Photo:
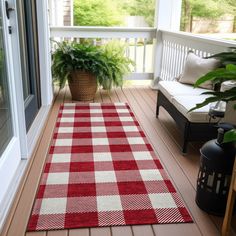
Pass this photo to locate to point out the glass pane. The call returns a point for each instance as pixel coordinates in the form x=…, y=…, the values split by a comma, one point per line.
x=5, y=111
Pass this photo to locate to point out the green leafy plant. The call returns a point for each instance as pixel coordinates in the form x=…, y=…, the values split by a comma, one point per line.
x=119, y=65
x=226, y=73
x=101, y=61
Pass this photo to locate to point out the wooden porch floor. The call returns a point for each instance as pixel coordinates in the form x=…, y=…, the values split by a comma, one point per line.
x=165, y=139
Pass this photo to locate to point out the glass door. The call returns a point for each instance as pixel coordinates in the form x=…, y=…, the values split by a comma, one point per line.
x=10, y=149
x=29, y=58
x=6, y=129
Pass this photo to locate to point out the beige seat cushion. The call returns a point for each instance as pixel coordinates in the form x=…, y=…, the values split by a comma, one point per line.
x=185, y=103
x=174, y=88
x=195, y=67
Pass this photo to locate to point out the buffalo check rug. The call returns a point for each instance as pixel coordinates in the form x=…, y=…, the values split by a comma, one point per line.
x=102, y=171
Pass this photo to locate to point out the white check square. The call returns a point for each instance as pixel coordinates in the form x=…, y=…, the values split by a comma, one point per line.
x=122, y=111
x=125, y=118
x=98, y=129
x=61, y=158
x=100, y=141
x=69, y=104
x=95, y=104
x=97, y=119
x=102, y=156
x=63, y=142
x=67, y=119
x=136, y=140
x=150, y=175
x=53, y=206
x=68, y=111
x=65, y=130
x=95, y=111
x=58, y=178
x=162, y=200
x=105, y=176
x=109, y=203
x=130, y=128
x=142, y=156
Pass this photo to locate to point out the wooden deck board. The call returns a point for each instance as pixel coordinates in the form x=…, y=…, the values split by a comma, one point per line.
x=143, y=230
x=79, y=232
x=121, y=231
x=43, y=233
x=102, y=231
x=58, y=233
x=164, y=137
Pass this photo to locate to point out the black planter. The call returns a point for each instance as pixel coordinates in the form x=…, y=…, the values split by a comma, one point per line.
x=216, y=165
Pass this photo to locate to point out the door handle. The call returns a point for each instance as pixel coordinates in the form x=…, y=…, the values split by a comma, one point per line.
x=8, y=9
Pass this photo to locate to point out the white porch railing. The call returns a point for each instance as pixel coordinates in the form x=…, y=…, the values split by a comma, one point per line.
x=158, y=54
x=140, y=41
x=173, y=47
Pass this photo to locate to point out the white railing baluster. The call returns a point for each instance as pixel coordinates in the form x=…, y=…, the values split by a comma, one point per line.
x=144, y=54
x=135, y=54
x=127, y=53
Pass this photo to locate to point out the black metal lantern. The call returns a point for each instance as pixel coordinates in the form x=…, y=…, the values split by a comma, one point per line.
x=216, y=165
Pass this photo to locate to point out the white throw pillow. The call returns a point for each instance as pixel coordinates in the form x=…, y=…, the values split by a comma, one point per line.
x=195, y=67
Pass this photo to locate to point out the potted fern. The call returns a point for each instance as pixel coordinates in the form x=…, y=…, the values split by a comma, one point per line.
x=227, y=73
x=118, y=63
x=85, y=66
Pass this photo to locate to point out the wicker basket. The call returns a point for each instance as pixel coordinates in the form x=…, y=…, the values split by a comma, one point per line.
x=83, y=85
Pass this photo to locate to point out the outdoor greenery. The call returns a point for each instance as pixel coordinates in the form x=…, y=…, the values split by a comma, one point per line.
x=226, y=73
x=210, y=9
x=105, y=62
x=144, y=8
x=111, y=12
x=97, y=13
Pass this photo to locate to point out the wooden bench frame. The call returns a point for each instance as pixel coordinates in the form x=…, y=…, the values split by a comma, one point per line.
x=191, y=131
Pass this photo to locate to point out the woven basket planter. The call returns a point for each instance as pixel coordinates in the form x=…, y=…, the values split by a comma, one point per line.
x=83, y=86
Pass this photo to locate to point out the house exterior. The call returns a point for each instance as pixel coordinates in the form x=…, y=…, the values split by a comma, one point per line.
x=26, y=87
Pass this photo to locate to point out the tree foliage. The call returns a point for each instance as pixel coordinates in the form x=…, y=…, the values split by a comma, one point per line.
x=97, y=13
x=144, y=8
x=210, y=9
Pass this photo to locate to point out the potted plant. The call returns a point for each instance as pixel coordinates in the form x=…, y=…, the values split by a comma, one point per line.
x=119, y=64
x=227, y=72
x=85, y=65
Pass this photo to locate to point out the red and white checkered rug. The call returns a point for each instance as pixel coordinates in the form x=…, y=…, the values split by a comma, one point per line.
x=101, y=171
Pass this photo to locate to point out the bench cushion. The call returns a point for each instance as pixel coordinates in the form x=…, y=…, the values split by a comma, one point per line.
x=185, y=103
x=174, y=88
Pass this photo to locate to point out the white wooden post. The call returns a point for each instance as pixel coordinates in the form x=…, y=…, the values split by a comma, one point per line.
x=56, y=15
x=167, y=17
x=72, y=12
x=44, y=52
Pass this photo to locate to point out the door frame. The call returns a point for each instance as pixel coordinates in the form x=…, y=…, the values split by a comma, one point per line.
x=25, y=141
x=28, y=140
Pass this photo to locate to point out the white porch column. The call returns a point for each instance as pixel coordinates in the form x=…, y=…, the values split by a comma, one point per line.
x=167, y=17
x=168, y=13
x=56, y=15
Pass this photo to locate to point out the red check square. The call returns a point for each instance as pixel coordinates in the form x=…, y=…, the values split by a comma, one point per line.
x=81, y=166
x=125, y=165
x=81, y=190
x=131, y=188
